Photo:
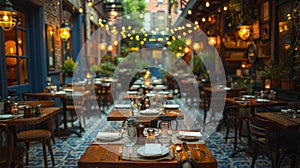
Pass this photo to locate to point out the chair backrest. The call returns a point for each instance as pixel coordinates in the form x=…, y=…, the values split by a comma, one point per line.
x=7, y=142
x=262, y=131
x=43, y=103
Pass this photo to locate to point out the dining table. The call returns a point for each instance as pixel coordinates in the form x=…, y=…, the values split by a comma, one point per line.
x=47, y=114
x=252, y=103
x=124, y=114
x=283, y=120
x=110, y=156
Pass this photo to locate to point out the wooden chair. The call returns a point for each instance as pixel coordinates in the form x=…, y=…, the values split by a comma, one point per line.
x=10, y=155
x=45, y=103
x=39, y=135
x=266, y=139
x=234, y=117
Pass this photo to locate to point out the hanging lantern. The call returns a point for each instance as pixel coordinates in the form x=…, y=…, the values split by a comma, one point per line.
x=244, y=31
x=8, y=16
x=65, y=31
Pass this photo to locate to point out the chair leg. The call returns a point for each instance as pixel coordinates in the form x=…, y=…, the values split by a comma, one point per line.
x=45, y=154
x=254, y=156
x=50, y=151
x=27, y=149
x=235, y=134
x=227, y=131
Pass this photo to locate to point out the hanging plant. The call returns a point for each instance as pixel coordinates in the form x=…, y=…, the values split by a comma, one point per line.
x=240, y=11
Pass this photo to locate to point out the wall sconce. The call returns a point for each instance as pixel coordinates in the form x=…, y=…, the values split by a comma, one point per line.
x=244, y=31
x=65, y=31
x=8, y=16
x=212, y=40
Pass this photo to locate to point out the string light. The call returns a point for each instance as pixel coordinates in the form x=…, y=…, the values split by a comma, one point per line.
x=207, y=4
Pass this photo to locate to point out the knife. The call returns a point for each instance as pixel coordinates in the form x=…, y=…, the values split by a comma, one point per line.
x=186, y=148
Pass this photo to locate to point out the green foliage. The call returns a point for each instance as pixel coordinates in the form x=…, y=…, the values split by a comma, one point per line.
x=69, y=67
x=244, y=83
x=175, y=46
x=240, y=11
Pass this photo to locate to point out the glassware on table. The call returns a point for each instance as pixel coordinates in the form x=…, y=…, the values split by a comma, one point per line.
x=130, y=126
x=135, y=104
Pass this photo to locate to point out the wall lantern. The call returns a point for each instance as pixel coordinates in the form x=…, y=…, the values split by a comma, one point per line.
x=267, y=84
x=244, y=31
x=8, y=16
x=65, y=31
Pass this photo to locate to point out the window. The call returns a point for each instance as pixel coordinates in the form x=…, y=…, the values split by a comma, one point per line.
x=16, y=54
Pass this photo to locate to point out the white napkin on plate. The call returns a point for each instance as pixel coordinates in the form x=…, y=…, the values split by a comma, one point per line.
x=108, y=134
x=152, y=148
x=189, y=133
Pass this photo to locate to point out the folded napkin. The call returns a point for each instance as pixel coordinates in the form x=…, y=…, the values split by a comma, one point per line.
x=149, y=111
x=108, y=134
x=152, y=148
x=132, y=92
x=122, y=106
x=189, y=133
x=172, y=106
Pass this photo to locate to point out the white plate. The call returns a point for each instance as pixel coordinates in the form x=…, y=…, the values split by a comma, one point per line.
x=163, y=92
x=122, y=106
x=6, y=116
x=132, y=92
x=262, y=100
x=164, y=151
x=248, y=96
x=172, y=106
x=108, y=136
x=149, y=112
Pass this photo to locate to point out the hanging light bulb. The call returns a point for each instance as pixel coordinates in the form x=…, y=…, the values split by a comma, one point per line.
x=8, y=16
x=90, y=3
x=207, y=4
x=80, y=10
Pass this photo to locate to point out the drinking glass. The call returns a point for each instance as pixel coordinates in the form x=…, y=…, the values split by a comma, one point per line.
x=131, y=137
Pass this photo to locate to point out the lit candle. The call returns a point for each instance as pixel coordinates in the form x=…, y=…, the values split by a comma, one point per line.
x=267, y=84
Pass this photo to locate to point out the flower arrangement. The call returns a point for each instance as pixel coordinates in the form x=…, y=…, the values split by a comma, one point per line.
x=69, y=67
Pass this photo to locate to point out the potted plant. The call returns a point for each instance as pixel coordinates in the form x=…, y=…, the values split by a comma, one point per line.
x=263, y=76
x=275, y=71
x=68, y=68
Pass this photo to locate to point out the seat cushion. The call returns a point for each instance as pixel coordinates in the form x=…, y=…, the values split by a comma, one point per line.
x=33, y=135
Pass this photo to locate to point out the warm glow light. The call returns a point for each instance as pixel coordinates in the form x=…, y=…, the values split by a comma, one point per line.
x=80, y=10
x=7, y=16
x=92, y=17
x=65, y=32
x=102, y=46
x=189, y=12
x=212, y=40
x=225, y=8
x=203, y=19
x=186, y=49
x=90, y=3
x=244, y=32
x=196, y=22
x=267, y=84
x=109, y=48
x=207, y=4
x=196, y=46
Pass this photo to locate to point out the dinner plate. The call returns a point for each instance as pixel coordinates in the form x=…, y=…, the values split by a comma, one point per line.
x=171, y=106
x=189, y=136
x=164, y=151
x=108, y=136
x=132, y=92
x=248, y=96
x=149, y=112
x=156, y=131
x=6, y=116
x=263, y=100
x=163, y=92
